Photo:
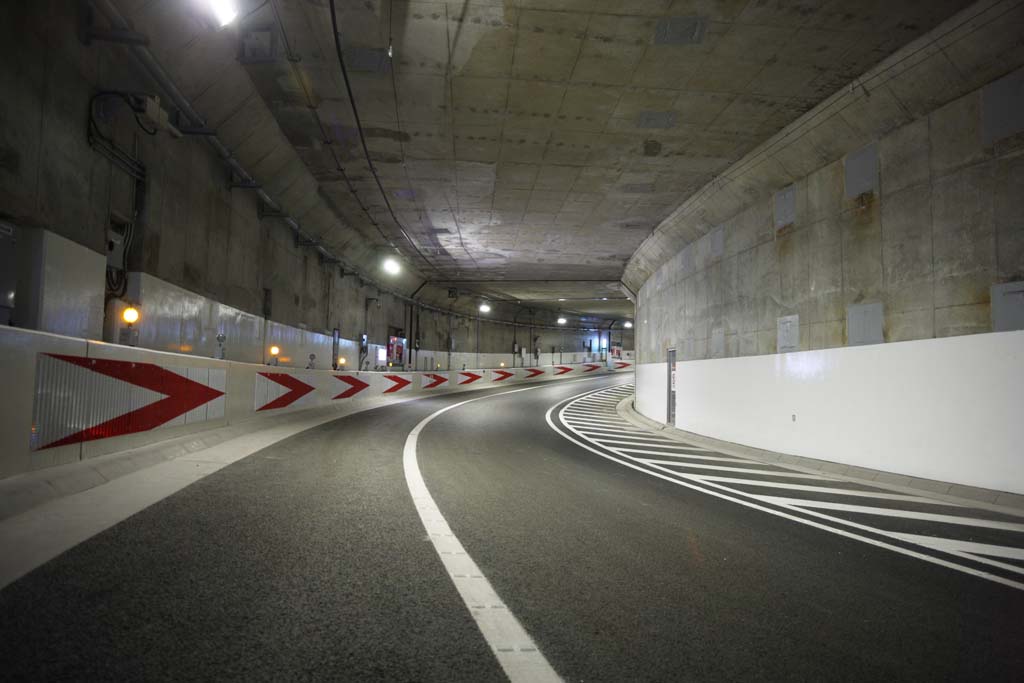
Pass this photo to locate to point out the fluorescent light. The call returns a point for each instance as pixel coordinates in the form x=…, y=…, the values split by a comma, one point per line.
x=561, y=321
x=392, y=266
x=224, y=11
x=561, y=299
x=485, y=308
x=627, y=324
x=604, y=298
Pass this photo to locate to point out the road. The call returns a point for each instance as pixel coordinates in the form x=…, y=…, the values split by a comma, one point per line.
x=310, y=560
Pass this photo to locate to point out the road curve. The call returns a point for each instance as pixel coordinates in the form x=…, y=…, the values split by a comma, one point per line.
x=309, y=560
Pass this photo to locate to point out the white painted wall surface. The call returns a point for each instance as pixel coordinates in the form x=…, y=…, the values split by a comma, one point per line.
x=652, y=390
x=63, y=292
x=949, y=409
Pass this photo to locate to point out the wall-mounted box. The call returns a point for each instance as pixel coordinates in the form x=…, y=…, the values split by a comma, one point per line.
x=864, y=324
x=784, y=205
x=1008, y=307
x=788, y=333
x=861, y=171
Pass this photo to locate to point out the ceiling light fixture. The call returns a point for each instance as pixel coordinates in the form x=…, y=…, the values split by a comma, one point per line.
x=485, y=308
x=561, y=321
x=224, y=11
x=628, y=325
x=391, y=266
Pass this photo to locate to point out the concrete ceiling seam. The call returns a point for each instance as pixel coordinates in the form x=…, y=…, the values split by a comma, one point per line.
x=876, y=102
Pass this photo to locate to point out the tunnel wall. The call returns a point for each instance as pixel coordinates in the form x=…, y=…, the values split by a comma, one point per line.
x=921, y=223
x=68, y=399
x=940, y=224
x=946, y=409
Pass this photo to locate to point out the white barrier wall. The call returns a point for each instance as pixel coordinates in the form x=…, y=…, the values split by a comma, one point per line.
x=67, y=399
x=950, y=409
x=652, y=390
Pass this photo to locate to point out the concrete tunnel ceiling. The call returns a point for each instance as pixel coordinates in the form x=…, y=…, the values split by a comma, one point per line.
x=528, y=147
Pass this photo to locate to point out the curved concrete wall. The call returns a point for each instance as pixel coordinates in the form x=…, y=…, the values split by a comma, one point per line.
x=890, y=213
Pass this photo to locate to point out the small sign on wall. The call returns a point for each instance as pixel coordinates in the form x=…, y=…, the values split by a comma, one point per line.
x=788, y=333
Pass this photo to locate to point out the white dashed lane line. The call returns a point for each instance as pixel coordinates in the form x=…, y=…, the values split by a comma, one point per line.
x=983, y=543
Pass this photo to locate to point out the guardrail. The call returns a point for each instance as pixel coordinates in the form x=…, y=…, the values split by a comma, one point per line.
x=70, y=399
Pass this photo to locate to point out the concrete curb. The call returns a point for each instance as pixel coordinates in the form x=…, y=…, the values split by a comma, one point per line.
x=987, y=499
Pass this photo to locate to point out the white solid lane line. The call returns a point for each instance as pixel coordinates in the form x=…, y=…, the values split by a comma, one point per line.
x=744, y=470
x=630, y=441
x=893, y=512
x=725, y=493
x=953, y=545
x=518, y=655
x=717, y=458
x=821, y=489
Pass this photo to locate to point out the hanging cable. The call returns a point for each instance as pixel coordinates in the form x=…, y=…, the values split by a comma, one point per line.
x=362, y=138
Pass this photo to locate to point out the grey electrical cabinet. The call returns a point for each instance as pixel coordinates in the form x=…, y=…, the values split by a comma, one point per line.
x=864, y=324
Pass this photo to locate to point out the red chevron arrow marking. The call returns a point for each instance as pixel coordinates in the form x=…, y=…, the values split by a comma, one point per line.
x=505, y=374
x=355, y=385
x=562, y=369
x=470, y=377
x=180, y=396
x=534, y=372
x=296, y=390
x=438, y=380
x=399, y=383
x=590, y=367
x=619, y=365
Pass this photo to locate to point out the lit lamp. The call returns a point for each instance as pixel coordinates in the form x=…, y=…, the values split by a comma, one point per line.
x=129, y=336
x=274, y=352
x=341, y=362
x=502, y=363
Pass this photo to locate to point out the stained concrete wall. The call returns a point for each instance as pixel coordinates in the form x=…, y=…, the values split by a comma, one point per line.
x=942, y=223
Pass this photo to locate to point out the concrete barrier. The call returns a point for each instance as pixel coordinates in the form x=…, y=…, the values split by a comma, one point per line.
x=68, y=399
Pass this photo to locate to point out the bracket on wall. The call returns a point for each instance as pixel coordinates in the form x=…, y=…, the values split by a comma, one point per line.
x=263, y=211
x=328, y=260
x=88, y=31
x=301, y=241
x=236, y=183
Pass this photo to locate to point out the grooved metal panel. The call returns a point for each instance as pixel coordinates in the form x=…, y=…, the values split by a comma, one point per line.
x=788, y=333
x=785, y=207
x=1008, y=307
x=864, y=324
x=656, y=119
x=679, y=30
x=1002, y=107
x=861, y=171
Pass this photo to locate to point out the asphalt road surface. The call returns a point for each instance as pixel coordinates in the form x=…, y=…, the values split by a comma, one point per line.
x=309, y=561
